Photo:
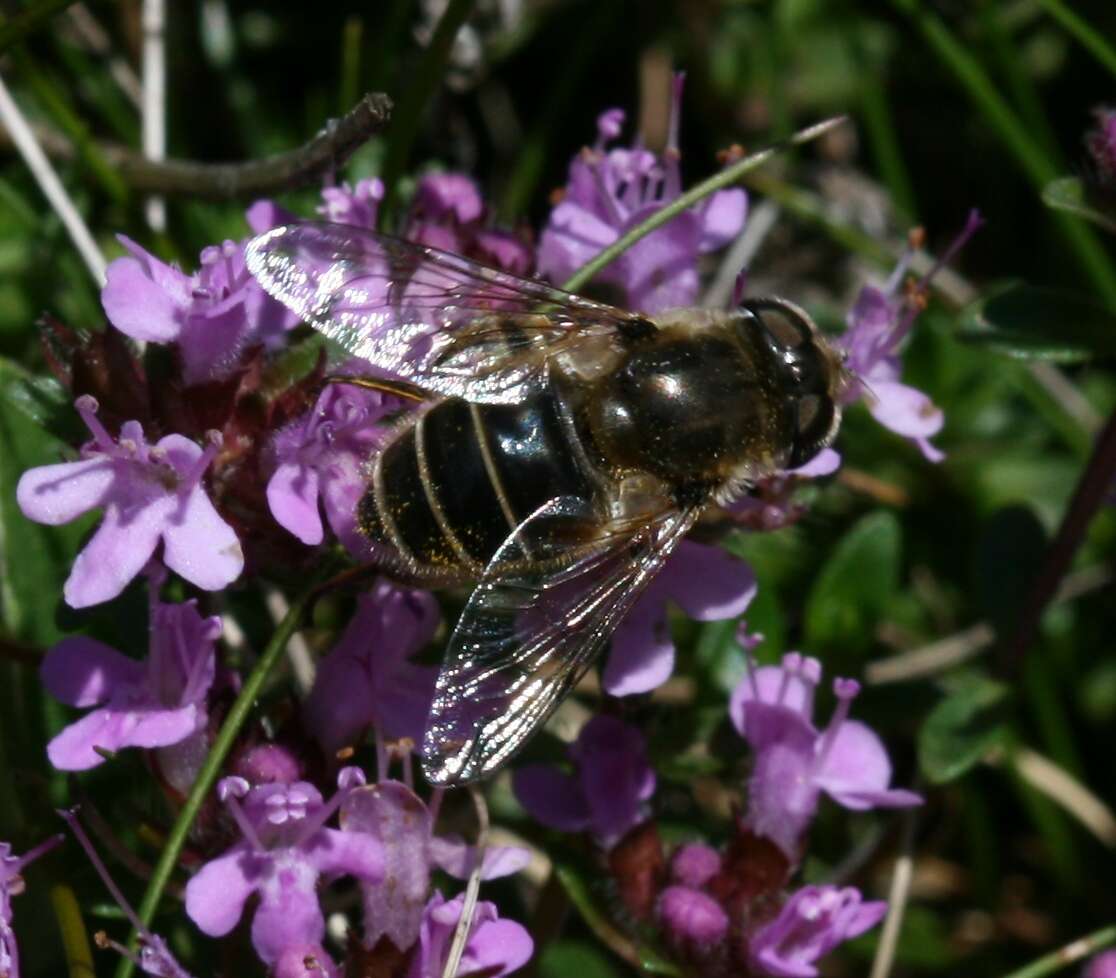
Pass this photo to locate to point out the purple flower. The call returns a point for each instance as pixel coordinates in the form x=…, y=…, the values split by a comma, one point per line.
x=359, y=205
x=706, y=582
x=1101, y=143
x=692, y=919
x=284, y=850
x=137, y=704
x=609, y=192
x=810, y=925
x=367, y=680
x=149, y=493
x=494, y=947
x=212, y=316
x=11, y=884
x=605, y=795
x=1101, y=966
x=319, y=461
x=448, y=212
x=878, y=322
x=772, y=709
x=394, y=815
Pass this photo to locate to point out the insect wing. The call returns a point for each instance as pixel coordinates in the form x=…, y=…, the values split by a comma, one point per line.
x=527, y=636
x=454, y=326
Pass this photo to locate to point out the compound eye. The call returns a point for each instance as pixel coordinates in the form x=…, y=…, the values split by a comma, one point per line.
x=813, y=424
x=789, y=328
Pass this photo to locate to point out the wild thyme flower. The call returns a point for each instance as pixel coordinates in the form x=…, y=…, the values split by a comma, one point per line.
x=392, y=813
x=149, y=493
x=136, y=704
x=706, y=582
x=609, y=192
x=448, y=212
x=11, y=884
x=367, y=680
x=878, y=323
x=318, y=463
x=284, y=850
x=810, y=925
x=212, y=316
x=606, y=793
x=772, y=708
x=494, y=947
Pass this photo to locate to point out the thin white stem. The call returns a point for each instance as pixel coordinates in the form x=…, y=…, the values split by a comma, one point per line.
x=740, y=253
x=472, y=889
x=302, y=660
x=1064, y=789
x=154, y=112
x=897, y=897
x=47, y=178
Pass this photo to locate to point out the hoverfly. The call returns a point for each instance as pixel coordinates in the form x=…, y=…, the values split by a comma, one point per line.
x=562, y=449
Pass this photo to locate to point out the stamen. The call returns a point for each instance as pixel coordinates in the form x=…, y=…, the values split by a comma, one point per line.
x=846, y=691
x=229, y=790
x=87, y=407
x=215, y=441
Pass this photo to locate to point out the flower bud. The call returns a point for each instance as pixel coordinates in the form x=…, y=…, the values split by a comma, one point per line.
x=692, y=919
x=695, y=864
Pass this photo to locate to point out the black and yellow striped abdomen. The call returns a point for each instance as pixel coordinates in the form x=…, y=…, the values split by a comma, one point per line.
x=451, y=487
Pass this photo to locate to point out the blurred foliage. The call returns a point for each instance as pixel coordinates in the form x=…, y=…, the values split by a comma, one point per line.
x=953, y=104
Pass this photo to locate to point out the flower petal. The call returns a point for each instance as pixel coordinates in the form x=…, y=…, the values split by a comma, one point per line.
x=117, y=552
x=215, y=894
x=642, y=656
x=856, y=771
x=551, y=797
x=161, y=728
x=81, y=671
x=292, y=497
x=72, y=749
x=709, y=583
x=199, y=545
x=56, y=494
x=137, y=306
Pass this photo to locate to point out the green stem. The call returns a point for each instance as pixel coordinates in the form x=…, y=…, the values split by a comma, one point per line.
x=416, y=94
x=1095, y=43
x=1064, y=956
x=1035, y=164
x=207, y=777
x=15, y=29
x=726, y=178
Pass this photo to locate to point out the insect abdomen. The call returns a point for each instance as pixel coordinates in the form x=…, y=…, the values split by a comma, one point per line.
x=448, y=490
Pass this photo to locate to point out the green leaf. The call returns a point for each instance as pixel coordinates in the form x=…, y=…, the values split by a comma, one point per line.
x=962, y=729
x=582, y=958
x=42, y=400
x=855, y=586
x=1034, y=323
x=1068, y=194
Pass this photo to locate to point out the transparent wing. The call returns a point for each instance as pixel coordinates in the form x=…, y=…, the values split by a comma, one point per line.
x=527, y=636
x=452, y=325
